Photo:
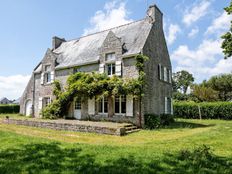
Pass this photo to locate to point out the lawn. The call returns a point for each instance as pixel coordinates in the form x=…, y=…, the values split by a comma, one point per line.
x=168, y=150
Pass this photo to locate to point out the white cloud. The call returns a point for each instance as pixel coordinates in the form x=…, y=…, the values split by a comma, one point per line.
x=204, y=61
x=220, y=24
x=114, y=14
x=197, y=11
x=12, y=87
x=193, y=32
x=173, y=30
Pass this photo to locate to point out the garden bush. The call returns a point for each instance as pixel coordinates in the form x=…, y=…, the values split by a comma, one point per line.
x=9, y=109
x=153, y=121
x=208, y=110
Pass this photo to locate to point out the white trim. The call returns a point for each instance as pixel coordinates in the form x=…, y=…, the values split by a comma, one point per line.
x=101, y=68
x=40, y=103
x=42, y=79
x=129, y=105
x=52, y=76
x=91, y=106
x=166, y=105
x=118, y=68
x=171, y=106
x=165, y=74
x=170, y=76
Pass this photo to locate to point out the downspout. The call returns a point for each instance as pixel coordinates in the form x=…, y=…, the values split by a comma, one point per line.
x=33, y=98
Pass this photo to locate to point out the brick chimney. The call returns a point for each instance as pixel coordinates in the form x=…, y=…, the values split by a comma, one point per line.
x=56, y=42
x=154, y=14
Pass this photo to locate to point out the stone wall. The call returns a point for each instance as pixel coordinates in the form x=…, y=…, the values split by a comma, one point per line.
x=68, y=127
x=156, y=49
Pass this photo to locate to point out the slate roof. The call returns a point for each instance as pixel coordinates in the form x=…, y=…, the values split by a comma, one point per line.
x=85, y=50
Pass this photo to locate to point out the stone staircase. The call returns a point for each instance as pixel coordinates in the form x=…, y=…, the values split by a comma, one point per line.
x=130, y=128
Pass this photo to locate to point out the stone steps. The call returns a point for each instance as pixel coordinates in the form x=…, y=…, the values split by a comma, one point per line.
x=130, y=128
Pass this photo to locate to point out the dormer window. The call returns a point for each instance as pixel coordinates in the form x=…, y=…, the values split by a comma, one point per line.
x=110, y=57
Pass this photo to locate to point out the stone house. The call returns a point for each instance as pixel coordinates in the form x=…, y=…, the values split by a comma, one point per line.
x=112, y=52
x=4, y=100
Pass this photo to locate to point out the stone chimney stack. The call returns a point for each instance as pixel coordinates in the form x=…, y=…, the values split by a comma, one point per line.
x=56, y=42
x=154, y=15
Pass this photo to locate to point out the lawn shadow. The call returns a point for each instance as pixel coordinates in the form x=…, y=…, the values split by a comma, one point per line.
x=182, y=124
x=53, y=158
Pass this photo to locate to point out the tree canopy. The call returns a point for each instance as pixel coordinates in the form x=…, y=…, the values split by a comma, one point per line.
x=182, y=80
x=227, y=37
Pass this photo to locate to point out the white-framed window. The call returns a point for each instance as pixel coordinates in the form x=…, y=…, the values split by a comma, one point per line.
x=103, y=106
x=120, y=104
x=111, y=69
x=110, y=57
x=46, y=101
x=168, y=105
x=47, y=74
x=77, y=104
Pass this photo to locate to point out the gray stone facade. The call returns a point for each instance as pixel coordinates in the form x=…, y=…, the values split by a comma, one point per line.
x=88, y=54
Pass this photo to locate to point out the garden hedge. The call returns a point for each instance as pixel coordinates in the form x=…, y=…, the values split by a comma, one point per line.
x=207, y=110
x=9, y=109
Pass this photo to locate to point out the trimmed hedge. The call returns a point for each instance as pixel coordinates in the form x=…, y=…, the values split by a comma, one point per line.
x=208, y=110
x=9, y=109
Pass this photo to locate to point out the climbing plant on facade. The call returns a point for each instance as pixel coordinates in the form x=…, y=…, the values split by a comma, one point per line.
x=89, y=85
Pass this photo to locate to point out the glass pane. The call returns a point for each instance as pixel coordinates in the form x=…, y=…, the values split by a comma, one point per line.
x=117, y=105
x=105, y=105
x=110, y=56
x=109, y=69
x=113, y=68
x=100, y=106
x=123, y=104
x=48, y=77
x=48, y=68
x=78, y=104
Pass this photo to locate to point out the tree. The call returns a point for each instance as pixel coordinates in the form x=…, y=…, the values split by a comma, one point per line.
x=227, y=37
x=203, y=93
x=222, y=84
x=183, y=79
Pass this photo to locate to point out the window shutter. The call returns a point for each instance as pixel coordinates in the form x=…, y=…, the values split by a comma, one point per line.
x=171, y=106
x=91, y=106
x=52, y=76
x=129, y=105
x=40, y=103
x=101, y=68
x=165, y=74
x=166, y=105
x=170, y=76
x=160, y=74
x=42, y=79
x=118, y=68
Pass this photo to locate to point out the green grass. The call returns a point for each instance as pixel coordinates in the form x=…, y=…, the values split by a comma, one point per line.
x=34, y=150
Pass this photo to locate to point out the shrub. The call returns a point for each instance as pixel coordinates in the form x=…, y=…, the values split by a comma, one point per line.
x=9, y=109
x=153, y=121
x=208, y=110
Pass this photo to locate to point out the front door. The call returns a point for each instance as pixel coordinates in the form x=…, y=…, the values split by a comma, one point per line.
x=77, y=109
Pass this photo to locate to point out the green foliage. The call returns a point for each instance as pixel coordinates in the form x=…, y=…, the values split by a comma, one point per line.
x=89, y=85
x=153, y=121
x=203, y=93
x=8, y=109
x=178, y=96
x=227, y=37
x=209, y=110
x=182, y=80
x=222, y=84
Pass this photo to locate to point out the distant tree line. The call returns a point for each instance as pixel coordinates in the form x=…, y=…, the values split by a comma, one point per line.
x=217, y=88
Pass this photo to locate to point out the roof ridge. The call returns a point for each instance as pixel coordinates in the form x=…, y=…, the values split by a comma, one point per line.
x=105, y=30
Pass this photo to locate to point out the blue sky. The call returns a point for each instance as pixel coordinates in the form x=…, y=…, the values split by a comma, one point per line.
x=192, y=29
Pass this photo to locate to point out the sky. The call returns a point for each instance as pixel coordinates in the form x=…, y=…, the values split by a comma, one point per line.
x=192, y=30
